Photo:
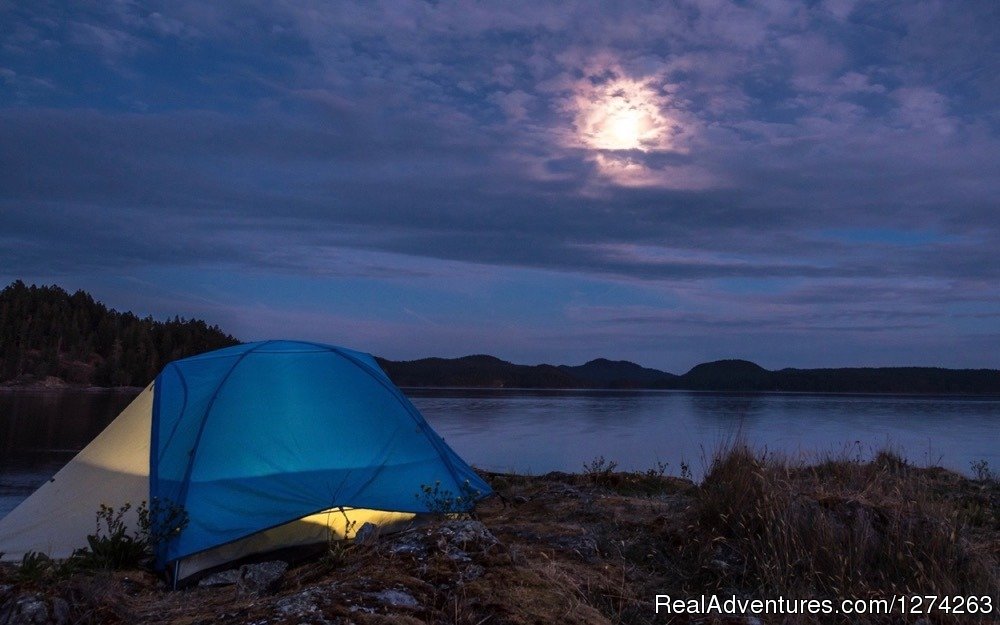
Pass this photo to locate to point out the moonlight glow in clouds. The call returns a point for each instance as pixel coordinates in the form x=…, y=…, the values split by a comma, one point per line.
x=620, y=120
x=622, y=115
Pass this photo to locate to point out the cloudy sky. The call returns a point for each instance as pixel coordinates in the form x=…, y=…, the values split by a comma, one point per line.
x=796, y=183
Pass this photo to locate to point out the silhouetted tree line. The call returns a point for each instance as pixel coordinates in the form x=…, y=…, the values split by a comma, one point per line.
x=45, y=331
x=722, y=375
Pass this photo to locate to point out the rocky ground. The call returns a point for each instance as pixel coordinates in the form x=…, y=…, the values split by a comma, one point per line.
x=596, y=548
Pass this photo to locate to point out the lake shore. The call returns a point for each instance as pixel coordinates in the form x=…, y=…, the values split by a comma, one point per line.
x=55, y=384
x=598, y=547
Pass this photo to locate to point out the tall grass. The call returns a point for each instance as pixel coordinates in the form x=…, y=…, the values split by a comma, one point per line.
x=837, y=529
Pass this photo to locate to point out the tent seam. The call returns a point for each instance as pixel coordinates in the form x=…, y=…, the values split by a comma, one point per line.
x=410, y=409
x=185, y=483
x=180, y=375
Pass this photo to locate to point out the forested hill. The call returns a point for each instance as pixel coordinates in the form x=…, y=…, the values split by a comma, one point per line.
x=742, y=375
x=45, y=331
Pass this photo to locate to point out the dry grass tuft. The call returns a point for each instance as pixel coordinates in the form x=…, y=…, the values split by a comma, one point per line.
x=838, y=529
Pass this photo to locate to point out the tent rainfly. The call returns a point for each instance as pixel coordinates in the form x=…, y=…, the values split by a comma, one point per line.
x=261, y=446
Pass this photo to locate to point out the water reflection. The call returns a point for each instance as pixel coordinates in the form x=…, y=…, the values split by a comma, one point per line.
x=727, y=408
x=54, y=422
x=538, y=431
x=545, y=430
x=41, y=431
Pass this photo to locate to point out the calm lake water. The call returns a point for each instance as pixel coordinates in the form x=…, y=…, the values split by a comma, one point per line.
x=540, y=431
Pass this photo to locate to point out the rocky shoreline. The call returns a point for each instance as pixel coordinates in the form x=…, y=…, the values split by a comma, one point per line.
x=596, y=548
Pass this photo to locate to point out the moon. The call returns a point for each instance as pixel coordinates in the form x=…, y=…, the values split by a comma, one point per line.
x=623, y=130
x=624, y=114
x=623, y=126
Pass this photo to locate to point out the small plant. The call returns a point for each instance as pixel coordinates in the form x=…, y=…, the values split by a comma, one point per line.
x=686, y=471
x=35, y=567
x=650, y=481
x=859, y=453
x=160, y=521
x=658, y=471
x=975, y=510
x=338, y=549
x=111, y=546
x=982, y=471
x=599, y=469
x=891, y=462
x=38, y=567
x=336, y=553
x=439, y=500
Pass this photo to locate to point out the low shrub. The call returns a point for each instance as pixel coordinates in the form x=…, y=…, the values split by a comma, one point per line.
x=981, y=471
x=599, y=469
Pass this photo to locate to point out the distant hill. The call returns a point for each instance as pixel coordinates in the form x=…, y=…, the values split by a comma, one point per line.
x=476, y=371
x=728, y=375
x=742, y=375
x=47, y=333
x=929, y=380
x=617, y=374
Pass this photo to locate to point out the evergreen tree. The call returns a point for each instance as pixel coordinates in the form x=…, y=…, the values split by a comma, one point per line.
x=46, y=331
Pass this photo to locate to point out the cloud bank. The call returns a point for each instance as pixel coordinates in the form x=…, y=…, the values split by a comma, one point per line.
x=822, y=176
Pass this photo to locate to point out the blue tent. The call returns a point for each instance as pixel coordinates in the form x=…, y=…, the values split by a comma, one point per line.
x=261, y=446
